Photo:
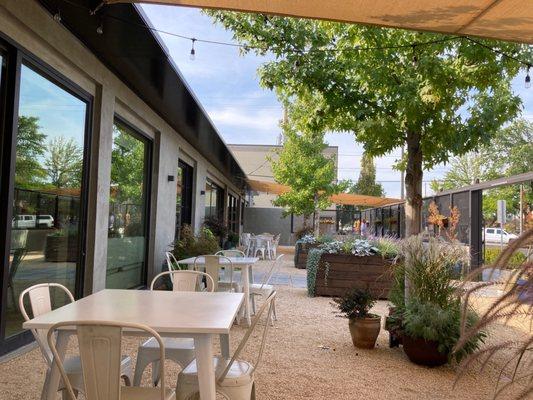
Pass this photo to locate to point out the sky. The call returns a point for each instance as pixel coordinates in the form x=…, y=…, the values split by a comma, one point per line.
x=227, y=86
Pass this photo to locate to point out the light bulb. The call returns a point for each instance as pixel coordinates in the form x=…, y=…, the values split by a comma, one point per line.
x=57, y=17
x=192, y=55
x=528, y=79
x=100, y=29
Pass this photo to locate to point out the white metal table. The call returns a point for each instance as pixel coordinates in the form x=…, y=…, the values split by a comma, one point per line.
x=244, y=264
x=198, y=315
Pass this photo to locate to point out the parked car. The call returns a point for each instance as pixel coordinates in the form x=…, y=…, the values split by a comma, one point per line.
x=32, y=221
x=494, y=235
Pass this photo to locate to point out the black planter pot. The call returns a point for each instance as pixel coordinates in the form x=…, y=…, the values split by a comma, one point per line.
x=423, y=352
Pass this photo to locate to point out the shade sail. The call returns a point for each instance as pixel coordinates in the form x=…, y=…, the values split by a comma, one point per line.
x=341, y=198
x=510, y=20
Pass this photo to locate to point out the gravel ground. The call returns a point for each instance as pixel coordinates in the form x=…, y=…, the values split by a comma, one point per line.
x=309, y=355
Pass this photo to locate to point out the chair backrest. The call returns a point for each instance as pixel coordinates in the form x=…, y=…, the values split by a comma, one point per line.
x=274, y=265
x=100, y=344
x=266, y=306
x=212, y=267
x=230, y=253
x=186, y=281
x=41, y=303
x=245, y=239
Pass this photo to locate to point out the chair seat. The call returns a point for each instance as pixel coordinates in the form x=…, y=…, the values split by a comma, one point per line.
x=170, y=343
x=72, y=365
x=144, y=393
x=255, y=288
x=239, y=374
x=226, y=286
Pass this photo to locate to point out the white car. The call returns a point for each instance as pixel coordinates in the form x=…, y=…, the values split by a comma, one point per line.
x=494, y=235
x=31, y=221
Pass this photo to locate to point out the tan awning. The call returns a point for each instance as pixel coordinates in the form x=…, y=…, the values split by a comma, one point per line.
x=498, y=19
x=341, y=198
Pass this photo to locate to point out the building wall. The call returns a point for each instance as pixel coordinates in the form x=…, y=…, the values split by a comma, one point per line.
x=253, y=159
x=30, y=26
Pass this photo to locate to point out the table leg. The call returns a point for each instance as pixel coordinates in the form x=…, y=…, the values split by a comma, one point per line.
x=203, y=345
x=51, y=383
x=246, y=284
x=224, y=346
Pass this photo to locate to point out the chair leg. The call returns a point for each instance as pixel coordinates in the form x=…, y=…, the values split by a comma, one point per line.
x=275, y=316
x=156, y=372
x=66, y=396
x=253, y=303
x=140, y=366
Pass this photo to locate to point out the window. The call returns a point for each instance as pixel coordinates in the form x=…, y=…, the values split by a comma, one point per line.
x=490, y=230
x=214, y=200
x=50, y=163
x=233, y=214
x=128, y=208
x=184, y=193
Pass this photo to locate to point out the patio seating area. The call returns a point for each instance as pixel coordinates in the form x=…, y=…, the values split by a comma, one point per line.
x=308, y=340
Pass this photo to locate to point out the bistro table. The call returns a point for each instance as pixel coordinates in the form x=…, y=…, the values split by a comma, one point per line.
x=245, y=264
x=198, y=315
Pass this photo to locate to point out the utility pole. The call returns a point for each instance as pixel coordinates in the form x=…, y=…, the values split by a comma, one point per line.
x=402, y=178
x=521, y=208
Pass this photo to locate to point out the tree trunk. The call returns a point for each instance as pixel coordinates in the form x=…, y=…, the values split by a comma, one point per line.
x=413, y=200
x=413, y=185
x=316, y=218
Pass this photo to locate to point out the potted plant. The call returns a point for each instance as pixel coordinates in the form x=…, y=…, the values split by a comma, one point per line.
x=364, y=326
x=430, y=314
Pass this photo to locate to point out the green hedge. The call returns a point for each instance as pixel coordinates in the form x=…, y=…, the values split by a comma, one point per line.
x=491, y=254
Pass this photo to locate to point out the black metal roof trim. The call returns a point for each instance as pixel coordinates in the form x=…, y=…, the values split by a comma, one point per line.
x=141, y=61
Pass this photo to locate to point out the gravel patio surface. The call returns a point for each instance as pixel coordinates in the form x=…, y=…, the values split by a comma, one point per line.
x=309, y=355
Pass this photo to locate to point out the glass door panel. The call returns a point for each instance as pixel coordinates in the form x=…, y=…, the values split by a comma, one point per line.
x=128, y=209
x=47, y=201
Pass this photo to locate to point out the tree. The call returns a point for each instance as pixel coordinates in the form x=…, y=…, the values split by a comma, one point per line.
x=438, y=95
x=464, y=170
x=29, y=173
x=311, y=175
x=366, y=184
x=64, y=162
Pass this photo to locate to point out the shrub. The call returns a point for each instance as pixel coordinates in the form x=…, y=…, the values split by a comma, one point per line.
x=217, y=226
x=191, y=245
x=517, y=259
x=300, y=233
x=356, y=303
x=387, y=247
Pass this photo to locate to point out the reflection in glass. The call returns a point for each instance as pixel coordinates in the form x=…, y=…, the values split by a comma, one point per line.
x=48, y=176
x=126, y=246
x=214, y=200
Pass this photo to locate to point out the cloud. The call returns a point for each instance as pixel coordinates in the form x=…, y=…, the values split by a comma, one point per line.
x=262, y=120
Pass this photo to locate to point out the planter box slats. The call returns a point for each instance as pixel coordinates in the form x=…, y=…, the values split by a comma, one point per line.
x=348, y=271
x=300, y=254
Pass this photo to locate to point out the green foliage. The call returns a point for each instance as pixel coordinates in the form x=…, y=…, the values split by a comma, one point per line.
x=127, y=167
x=30, y=147
x=233, y=238
x=64, y=162
x=313, y=261
x=431, y=322
x=442, y=99
x=388, y=247
x=303, y=167
x=216, y=226
x=356, y=303
x=516, y=260
x=366, y=184
x=304, y=231
x=191, y=245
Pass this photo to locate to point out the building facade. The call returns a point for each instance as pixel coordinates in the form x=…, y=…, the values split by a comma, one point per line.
x=105, y=152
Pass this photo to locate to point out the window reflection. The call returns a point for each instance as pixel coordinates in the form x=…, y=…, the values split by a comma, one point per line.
x=214, y=200
x=126, y=249
x=46, y=222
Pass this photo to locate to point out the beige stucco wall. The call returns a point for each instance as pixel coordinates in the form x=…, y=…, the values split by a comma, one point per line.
x=254, y=161
x=30, y=26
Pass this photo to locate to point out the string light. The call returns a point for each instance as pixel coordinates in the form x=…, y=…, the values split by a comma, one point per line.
x=57, y=16
x=100, y=29
x=192, y=56
x=528, y=78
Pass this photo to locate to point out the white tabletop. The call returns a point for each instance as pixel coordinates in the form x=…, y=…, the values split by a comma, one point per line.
x=164, y=311
x=223, y=260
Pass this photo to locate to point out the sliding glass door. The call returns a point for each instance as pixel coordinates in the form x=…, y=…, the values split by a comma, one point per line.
x=46, y=227
x=128, y=208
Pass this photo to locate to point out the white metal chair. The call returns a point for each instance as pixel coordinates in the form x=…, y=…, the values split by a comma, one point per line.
x=230, y=253
x=212, y=264
x=41, y=303
x=235, y=378
x=172, y=263
x=245, y=242
x=273, y=250
x=261, y=245
x=179, y=350
x=264, y=288
x=100, y=345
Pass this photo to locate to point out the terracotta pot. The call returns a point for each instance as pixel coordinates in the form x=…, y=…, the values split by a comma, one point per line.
x=365, y=331
x=423, y=352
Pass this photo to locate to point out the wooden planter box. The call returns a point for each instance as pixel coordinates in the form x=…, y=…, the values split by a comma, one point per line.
x=345, y=272
x=300, y=254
